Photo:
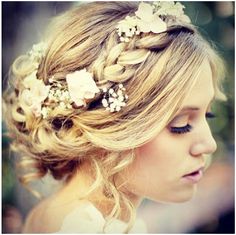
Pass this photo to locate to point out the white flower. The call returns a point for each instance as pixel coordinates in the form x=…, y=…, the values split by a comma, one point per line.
x=30, y=79
x=36, y=86
x=127, y=26
x=120, y=93
x=37, y=51
x=118, y=108
x=62, y=105
x=45, y=112
x=104, y=103
x=111, y=99
x=172, y=9
x=121, y=98
x=26, y=97
x=65, y=95
x=111, y=91
x=69, y=106
x=149, y=21
x=36, y=109
x=104, y=89
x=81, y=86
x=34, y=94
x=116, y=100
x=114, y=95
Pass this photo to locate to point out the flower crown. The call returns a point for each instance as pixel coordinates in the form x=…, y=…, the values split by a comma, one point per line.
x=150, y=18
x=80, y=86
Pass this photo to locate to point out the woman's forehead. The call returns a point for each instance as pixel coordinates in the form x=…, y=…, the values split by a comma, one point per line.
x=203, y=92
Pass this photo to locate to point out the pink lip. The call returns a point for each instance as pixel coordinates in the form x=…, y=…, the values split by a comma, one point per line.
x=195, y=176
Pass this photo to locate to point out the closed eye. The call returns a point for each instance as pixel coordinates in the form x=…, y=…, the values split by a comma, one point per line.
x=210, y=115
x=181, y=130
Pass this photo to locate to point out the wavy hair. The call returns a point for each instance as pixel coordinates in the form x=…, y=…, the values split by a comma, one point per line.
x=157, y=70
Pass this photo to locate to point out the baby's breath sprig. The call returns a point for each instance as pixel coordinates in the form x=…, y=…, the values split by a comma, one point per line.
x=114, y=100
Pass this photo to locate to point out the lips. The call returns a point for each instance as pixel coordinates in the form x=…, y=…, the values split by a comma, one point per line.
x=194, y=176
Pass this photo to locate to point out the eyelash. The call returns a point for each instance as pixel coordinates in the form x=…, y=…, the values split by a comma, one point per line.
x=188, y=128
x=210, y=115
x=181, y=130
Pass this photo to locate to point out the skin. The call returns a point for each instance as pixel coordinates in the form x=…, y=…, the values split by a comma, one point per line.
x=157, y=171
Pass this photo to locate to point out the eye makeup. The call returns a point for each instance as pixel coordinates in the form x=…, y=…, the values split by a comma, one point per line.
x=210, y=115
x=187, y=128
x=181, y=130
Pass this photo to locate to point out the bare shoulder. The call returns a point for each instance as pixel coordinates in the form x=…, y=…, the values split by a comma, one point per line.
x=48, y=216
x=43, y=219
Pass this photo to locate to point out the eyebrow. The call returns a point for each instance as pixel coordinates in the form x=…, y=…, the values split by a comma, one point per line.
x=189, y=108
x=194, y=108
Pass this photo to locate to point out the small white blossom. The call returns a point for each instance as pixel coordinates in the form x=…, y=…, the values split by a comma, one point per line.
x=62, y=105
x=114, y=95
x=69, y=106
x=119, y=93
x=105, y=103
x=104, y=89
x=51, y=97
x=44, y=112
x=116, y=99
x=147, y=19
x=118, y=108
x=121, y=98
x=58, y=93
x=111, y=99
x=123, y=104
x=37, y=51
x=111, y=91
x=113, y=105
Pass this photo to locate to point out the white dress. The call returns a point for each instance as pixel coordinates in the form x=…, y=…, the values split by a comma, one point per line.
x=88, y=219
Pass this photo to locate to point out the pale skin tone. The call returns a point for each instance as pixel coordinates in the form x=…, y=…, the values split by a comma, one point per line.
x=163, y=161
x=158, y=169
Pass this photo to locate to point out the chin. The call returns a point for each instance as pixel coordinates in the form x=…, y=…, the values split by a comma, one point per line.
x=184, y=195
x=178, y=196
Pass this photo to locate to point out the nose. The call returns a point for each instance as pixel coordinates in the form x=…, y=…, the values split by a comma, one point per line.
x=204, y=143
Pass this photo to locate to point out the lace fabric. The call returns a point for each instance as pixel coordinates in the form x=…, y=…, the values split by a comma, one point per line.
x=88, y=219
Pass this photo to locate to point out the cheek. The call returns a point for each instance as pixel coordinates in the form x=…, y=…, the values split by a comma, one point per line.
x=152, y=163
x=162, y=154
x=151, y=167
x=157, y=167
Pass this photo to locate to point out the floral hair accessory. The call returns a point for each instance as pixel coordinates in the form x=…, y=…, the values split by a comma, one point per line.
x=37, y=53
x=81, y=86
x=74, y=93
x=112, y=100
x=34, y=94
x=150, y=18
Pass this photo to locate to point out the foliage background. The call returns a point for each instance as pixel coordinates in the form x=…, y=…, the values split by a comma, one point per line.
x=22, y=24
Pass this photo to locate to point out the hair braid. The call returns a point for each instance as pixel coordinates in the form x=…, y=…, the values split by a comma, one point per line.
x=157, y=70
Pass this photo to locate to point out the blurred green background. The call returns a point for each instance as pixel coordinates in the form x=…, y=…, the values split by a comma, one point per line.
x=22, y=24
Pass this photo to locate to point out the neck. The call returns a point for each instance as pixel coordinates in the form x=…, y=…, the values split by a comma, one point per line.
x=77, y=187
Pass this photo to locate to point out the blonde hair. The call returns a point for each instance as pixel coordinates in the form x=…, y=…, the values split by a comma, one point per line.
x=157, y=70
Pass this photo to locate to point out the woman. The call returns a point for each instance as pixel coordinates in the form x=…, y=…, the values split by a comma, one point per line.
x=114, y=104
